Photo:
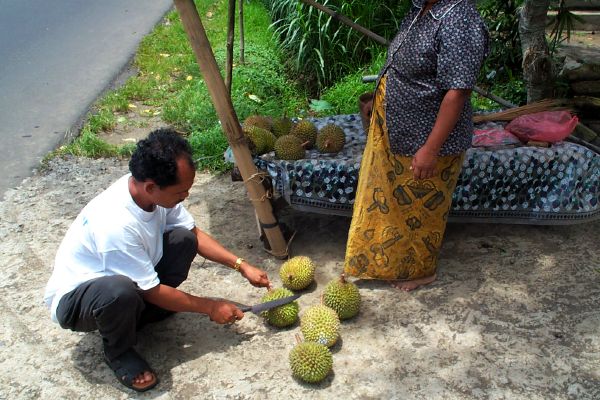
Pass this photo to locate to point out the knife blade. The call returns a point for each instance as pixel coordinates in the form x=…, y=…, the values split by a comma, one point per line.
x=258, y=308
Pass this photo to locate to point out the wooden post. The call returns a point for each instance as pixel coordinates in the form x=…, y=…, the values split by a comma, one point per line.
x=230, y=34
x=231, y=126
x=241, y=29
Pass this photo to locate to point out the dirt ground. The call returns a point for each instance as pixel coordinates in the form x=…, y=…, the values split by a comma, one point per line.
x=513, y=315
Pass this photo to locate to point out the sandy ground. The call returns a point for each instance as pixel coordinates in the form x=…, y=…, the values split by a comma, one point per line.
x=514, y=314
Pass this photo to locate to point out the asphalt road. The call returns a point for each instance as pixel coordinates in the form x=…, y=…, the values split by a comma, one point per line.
x=56, y=57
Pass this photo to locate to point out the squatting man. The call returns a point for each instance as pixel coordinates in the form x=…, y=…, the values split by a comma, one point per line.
x=122, y=259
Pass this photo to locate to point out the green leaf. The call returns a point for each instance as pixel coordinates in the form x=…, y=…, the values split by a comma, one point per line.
x=319, y=105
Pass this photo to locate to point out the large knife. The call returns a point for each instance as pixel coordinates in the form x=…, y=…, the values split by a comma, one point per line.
x=257, y=309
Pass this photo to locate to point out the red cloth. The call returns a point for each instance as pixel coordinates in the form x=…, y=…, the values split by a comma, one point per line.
x=494, y=137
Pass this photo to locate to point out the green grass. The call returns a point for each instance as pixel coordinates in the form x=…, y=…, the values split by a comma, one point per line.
x=169, y=82
x=343, y=96
x=209, y=148
x=88, y=144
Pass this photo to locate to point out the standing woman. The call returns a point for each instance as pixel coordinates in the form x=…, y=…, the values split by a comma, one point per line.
x=421, y=126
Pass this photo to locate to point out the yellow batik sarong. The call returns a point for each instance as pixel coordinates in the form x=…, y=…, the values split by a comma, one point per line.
x=398, y=222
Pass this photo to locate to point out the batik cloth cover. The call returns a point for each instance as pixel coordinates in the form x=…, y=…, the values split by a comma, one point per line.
x=522, y=185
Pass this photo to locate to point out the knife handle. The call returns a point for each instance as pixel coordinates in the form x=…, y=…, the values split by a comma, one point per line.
x=245, y=308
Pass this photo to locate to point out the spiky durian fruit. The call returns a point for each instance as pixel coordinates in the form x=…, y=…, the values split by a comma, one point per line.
x=331, y=139
x=320, y=324
x=284, y=315
x=311, y=362
x=261, y=141
x=297, y=272
x=258, y=121
x=282, y=126
x=306, y=131
x=289, y=147
x=343, y=297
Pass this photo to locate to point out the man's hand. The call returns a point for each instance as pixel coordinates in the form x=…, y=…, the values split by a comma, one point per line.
x=257, y=277
x=224, y=312
x=424, y=163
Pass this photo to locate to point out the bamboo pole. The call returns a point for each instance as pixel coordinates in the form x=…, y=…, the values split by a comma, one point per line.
x=347, y=21
x=493, y=97
x=230, y=34
x=386, y=43
x=241, y=24
x=231, y=126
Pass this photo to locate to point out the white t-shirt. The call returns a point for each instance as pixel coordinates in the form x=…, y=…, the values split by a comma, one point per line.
x=112, y=235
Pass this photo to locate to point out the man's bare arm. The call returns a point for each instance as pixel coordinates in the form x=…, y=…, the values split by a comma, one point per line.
x=176, y=300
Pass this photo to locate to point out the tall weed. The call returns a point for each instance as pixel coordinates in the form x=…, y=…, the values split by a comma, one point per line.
x=322, y=49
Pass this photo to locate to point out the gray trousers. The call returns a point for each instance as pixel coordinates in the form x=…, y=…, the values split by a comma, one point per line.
x=114, y=305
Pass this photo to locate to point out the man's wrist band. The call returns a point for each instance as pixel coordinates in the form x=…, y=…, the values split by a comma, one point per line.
x=238, y=264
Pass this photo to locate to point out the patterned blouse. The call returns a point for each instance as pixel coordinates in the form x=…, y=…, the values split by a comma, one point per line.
x=441, y=50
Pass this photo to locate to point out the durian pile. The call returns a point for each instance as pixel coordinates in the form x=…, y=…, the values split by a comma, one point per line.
x=290, y=140
x=311, y=360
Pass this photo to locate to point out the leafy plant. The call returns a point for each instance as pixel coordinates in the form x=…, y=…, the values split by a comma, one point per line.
x=502, y=72
x=512, y=90
x=562, y=24
x=319, y=105
x=322, y=49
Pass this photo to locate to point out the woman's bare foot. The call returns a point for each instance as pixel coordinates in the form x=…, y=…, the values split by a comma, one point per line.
x=407, y=286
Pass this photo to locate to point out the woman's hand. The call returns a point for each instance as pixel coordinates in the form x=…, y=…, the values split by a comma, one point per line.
x=425, y=159
x=424, y=163
x=256, y=276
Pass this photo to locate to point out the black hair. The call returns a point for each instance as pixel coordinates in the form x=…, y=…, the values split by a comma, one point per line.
x=156, y=157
